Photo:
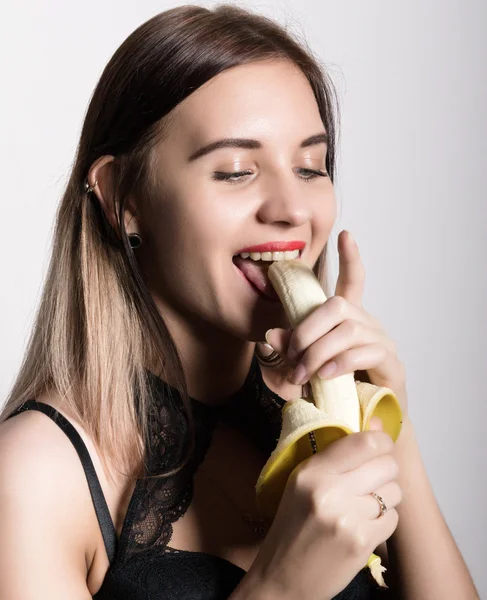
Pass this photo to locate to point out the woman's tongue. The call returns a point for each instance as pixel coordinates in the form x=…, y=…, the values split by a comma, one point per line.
x=256, y=273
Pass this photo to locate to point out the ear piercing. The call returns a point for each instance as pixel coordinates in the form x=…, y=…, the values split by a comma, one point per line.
x=88, y=187
x=135, y=240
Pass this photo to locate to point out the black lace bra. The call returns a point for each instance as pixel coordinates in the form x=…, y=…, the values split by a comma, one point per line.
x=142, y=564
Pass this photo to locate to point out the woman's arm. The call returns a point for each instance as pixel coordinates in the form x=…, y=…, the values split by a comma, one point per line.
x=424, y=562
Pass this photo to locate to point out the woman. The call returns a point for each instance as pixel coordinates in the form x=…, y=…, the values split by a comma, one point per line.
x=210, y=132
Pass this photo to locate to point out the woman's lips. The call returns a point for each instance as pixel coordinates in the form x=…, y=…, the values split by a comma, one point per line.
x=275, y=247
x=256, y=275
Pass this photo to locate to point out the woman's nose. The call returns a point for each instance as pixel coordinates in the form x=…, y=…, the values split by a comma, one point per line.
x=285, y=202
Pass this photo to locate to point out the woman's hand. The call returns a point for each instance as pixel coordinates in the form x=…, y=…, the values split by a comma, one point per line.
x=340, y=336
x=327, y=523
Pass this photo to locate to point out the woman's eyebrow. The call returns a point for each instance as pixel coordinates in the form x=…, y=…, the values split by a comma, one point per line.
x=319, y=138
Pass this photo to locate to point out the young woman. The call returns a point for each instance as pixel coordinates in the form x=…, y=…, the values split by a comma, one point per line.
x=210, y=134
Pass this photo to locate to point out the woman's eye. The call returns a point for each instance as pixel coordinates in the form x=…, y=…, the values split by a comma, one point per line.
x=236, y=175
x=313, y=173
x=231, y=177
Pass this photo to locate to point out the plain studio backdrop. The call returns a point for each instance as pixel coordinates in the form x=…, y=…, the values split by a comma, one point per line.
x=411, y=78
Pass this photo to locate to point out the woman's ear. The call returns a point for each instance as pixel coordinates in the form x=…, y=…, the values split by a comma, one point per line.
x=101, y=173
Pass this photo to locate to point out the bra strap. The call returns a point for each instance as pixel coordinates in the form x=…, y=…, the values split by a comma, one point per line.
x=101, y=508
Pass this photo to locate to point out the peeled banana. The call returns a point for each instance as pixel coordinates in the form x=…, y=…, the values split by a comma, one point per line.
x=338, y=406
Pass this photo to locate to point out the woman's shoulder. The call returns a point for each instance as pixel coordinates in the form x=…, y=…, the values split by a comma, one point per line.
x=39, y=460
x=32, y=440
x=44, y=502
x=33, y=443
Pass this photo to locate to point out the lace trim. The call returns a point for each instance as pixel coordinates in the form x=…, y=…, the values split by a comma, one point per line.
x=157, y=503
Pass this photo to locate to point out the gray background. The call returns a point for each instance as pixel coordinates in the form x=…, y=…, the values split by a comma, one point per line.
x=412, y=83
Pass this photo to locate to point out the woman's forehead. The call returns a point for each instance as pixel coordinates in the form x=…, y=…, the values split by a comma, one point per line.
x=257, y=99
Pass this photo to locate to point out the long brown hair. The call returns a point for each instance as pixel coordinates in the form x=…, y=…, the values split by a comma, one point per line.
x=97, y=326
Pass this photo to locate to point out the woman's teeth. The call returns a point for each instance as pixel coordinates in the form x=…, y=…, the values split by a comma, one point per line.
x=271, y=256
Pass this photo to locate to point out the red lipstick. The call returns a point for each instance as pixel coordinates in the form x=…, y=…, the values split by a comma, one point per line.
x=275, y=247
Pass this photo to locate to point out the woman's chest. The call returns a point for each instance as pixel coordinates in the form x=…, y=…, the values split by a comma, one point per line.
x=222, y=518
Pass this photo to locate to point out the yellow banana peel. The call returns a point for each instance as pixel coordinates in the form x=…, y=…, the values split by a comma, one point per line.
x=338, y=406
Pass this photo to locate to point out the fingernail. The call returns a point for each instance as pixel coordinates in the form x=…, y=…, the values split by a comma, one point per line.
x=266, y=338
x=350, y=237
x=376, y=424
x=299, y=375
x=327, y=370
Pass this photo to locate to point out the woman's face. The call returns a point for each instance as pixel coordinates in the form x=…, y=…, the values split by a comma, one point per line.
x=201, y=221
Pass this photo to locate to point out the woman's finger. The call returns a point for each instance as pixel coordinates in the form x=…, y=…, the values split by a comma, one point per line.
x=323, y=320
x=390, y=493
x=351, y=274
x=349, y=347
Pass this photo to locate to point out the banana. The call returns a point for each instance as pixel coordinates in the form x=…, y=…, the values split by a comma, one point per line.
x=338, y=406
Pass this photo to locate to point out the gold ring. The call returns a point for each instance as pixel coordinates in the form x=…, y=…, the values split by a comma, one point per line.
x=383, y=507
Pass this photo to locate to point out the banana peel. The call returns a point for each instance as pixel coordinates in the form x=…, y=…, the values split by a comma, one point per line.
x=337, y=407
